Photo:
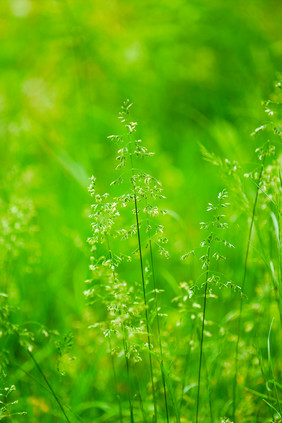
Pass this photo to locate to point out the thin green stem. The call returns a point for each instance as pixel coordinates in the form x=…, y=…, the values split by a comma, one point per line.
x=202, y=336
x=48, y=384
x=140, y=398
x=186, y=365
x=144, y=291
x=125, y=349
x=159, y=329
x=115, y=380
x=128, y=376
x=275, y=283
x=48, y=390
x=241, y=300
x=279, y=296
x=263, y=375
x=209, y=391
x=271, y=369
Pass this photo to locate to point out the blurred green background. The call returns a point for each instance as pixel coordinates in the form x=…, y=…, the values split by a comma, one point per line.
x=196, y=71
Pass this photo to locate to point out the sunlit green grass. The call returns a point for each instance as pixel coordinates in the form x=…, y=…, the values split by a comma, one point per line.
x=197, y=73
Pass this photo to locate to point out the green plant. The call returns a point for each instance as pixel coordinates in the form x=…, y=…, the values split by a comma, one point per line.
x=142, y=191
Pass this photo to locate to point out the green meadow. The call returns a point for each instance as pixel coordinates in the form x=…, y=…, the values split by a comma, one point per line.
x=140, y=211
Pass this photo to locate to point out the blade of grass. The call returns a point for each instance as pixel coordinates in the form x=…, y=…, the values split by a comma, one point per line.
x=48, y=384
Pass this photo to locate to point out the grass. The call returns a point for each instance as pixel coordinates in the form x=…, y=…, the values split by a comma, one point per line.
x=155, y=333
x=123, y=298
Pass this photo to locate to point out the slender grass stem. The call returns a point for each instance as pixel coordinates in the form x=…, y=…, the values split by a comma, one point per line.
x=271, y=369
x=125, y=350
x=128, y=377
x=48, y=390
x=49, y=386
x=144, y=292
x=279, y=287
x=137, y=384
x=242, y=288
x=279, y=243
x=115, y=381
x=209, y=392
x=263, y=375
x=202, y=338
x=275, y=283
x=186, y=365
x=159, y=330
